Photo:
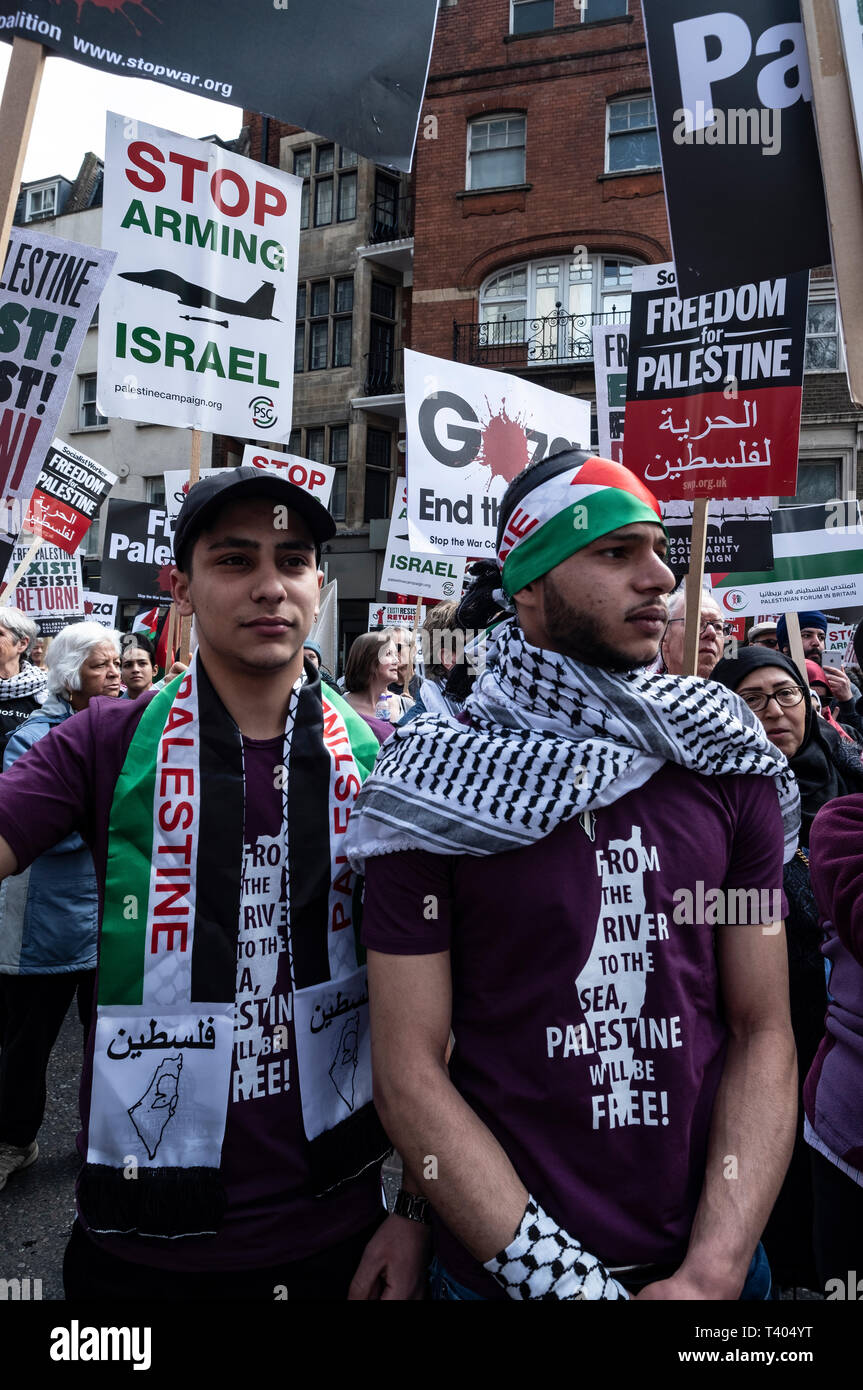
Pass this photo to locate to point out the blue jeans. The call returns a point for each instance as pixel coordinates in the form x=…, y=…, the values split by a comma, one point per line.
x=758, y=1284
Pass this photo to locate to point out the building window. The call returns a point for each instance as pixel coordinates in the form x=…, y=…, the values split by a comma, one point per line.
x=552, y=305
x=818, y=480
x=378, y=453
x=528, y=16
x=632, y=142
x=318, y=303
x=155, y=490
x=320, y=449
x=41, y=202
x=822, y=337
x=329, y=184
x=88, y=415
x=347, y=197
x=339, y=460
x=343, y=322
x=380, y=378
x=496, y=150
x=592, y=10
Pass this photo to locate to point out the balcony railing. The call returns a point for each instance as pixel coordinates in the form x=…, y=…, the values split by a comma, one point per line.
x=559, y=338
x=392, y=219
x=382, y=378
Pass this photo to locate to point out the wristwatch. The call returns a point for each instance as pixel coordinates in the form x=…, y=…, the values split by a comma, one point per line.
x=413, y=1207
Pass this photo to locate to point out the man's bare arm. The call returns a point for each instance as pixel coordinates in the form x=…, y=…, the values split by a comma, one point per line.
x=752, y=1130
x=8, y=862
x=452, y=1157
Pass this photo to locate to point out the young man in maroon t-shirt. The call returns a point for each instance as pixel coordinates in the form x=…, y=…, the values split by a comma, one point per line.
x=581, y=877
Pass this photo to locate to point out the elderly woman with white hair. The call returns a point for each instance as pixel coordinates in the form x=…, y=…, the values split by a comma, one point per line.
x=49, y=914
x=22, y=685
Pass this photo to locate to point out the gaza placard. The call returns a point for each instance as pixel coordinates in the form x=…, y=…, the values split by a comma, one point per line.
x=197, y=317
x=470, y=431
x=407, y=571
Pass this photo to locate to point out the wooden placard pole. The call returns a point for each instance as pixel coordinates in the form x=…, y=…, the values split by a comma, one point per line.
x=417, y=616
x=16, y=118
x=694, y=583
x=194, y=476
x=795, y=642
x=13, y=582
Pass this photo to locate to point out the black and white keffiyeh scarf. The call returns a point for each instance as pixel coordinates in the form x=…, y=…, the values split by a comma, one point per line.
x=551, y=739
x=30, y=680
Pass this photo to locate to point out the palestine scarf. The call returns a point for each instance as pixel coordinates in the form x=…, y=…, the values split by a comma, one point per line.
x=174, y=892
x=29, y=681
x=550, y=739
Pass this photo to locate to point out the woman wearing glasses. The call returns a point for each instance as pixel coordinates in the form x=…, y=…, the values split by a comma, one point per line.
x=825, y=766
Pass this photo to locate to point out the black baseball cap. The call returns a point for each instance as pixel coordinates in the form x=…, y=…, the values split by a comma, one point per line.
x=209, y=495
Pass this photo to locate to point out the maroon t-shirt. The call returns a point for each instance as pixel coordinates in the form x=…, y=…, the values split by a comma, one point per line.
x=66, y=782
x=587, y=1014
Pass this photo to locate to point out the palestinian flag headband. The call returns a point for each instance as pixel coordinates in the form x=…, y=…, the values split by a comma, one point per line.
x=562, y=508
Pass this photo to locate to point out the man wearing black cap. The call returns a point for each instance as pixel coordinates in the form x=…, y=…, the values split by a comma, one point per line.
x=230, y=1146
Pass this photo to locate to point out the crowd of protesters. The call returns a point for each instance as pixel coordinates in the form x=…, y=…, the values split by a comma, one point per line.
x=499, y=813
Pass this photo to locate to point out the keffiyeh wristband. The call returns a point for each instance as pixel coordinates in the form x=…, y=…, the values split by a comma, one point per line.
x=542, y=1261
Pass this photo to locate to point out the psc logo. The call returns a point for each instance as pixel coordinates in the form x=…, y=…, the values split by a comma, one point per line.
x=734, y=599
x=263, y=412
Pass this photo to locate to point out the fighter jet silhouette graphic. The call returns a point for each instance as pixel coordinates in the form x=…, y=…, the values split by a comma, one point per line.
x=258, y=306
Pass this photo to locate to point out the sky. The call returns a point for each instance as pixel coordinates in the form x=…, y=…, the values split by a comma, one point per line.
x=73, y=100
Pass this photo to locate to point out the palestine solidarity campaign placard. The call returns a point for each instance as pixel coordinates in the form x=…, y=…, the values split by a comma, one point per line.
x=197, y=315
x=715, y=386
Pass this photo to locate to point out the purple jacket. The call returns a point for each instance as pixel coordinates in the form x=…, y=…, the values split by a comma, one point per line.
x=833, y=1092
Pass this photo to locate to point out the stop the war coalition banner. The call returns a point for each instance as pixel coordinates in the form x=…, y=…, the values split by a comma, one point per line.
x=198, y=311
x=715, y=387
x=49, y=290
x=270, y=57
x=470, y=431
x=740, y=164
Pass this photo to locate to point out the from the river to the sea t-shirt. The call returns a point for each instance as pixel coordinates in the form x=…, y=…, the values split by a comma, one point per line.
x=67, y=782
x=588, y=1024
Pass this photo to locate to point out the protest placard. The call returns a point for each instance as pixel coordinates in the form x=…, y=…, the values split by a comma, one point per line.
x=470, y=431
x=137, y=556
x=739, y=536
x=49, y=290
x=316, y=478
x=269, y=57
x=733, y=97
x=610, y=365
x=50, y=588
x=204, y=285
x=393, y=615
x=100, y=608
x=69, y=491
x=817, y=564
x=407, y=571
x=715, y=387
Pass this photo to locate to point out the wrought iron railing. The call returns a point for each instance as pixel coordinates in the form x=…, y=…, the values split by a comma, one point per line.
x=391, y=219
x=557, y=338
x=382, y=378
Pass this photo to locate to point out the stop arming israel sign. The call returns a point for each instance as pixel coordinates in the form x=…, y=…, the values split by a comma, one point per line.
x=205, y=285
x=316, y=478
x=470, y=431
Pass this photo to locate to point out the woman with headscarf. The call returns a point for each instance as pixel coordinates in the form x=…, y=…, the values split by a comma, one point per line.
x=825, y=766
